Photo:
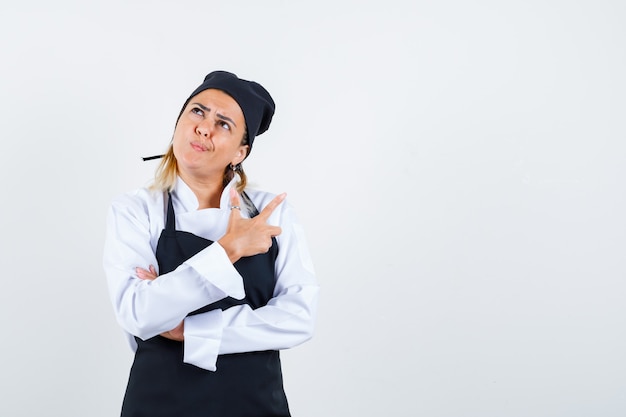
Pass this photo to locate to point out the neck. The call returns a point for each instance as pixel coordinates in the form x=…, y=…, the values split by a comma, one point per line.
x=208, y=191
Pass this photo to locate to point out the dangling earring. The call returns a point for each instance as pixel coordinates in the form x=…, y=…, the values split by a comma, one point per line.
x=235, y=168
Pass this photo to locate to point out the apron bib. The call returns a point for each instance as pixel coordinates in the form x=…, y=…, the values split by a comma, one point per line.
x=244, y=385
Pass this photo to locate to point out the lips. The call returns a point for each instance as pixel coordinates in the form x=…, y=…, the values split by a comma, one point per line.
x=199, y=146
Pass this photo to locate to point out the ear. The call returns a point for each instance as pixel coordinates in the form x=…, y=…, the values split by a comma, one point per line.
x=241, y=154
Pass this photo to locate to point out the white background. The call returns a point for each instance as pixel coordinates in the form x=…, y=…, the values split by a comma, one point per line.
x=458, y=165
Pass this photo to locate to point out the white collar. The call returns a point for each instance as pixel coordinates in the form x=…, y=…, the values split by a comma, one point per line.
x=188, y=200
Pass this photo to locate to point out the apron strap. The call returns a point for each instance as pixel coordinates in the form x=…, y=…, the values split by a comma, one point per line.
x=252, y=210
x=170, y=222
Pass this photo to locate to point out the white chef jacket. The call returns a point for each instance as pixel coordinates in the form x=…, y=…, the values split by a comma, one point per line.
x=147, y=308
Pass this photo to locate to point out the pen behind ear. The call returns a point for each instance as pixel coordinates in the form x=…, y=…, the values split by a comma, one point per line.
x=149, y=158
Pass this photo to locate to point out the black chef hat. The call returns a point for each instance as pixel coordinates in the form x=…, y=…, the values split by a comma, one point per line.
x=255, y=102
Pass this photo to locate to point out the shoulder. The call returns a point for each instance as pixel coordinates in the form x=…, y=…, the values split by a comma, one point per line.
x=137, y=203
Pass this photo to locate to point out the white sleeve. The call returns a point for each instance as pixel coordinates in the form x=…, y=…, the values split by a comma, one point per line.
x=286, y=321
x=147, y=308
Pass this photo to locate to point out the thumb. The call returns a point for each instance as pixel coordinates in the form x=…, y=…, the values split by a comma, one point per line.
x=235, y=202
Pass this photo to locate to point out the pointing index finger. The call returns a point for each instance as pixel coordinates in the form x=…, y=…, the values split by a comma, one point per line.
x=267, y=211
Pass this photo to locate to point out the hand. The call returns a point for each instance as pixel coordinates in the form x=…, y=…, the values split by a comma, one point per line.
x=248, y=237
x=177, y=333
x=151, y=274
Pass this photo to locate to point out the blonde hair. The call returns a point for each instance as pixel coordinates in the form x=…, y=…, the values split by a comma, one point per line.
x=167, y=171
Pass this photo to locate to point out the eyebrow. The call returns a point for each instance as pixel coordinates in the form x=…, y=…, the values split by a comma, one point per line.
x=221, y=116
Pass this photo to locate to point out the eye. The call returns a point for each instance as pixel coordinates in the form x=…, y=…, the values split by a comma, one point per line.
x=198, y=111
x=224, y=125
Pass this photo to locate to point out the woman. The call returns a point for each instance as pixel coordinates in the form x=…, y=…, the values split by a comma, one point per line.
x=209, y=279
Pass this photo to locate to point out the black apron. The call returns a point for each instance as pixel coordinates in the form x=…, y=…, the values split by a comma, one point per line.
x=244, y=384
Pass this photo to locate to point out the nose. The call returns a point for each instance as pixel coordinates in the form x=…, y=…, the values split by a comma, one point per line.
x=203, y=128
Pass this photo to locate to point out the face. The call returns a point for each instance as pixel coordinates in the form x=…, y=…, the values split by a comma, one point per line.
x=208, y=135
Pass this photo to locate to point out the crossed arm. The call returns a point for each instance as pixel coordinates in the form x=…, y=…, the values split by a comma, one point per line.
x=244, y=237
x=147, y=305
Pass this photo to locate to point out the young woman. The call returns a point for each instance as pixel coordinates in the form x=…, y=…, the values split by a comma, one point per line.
x=208, y=278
